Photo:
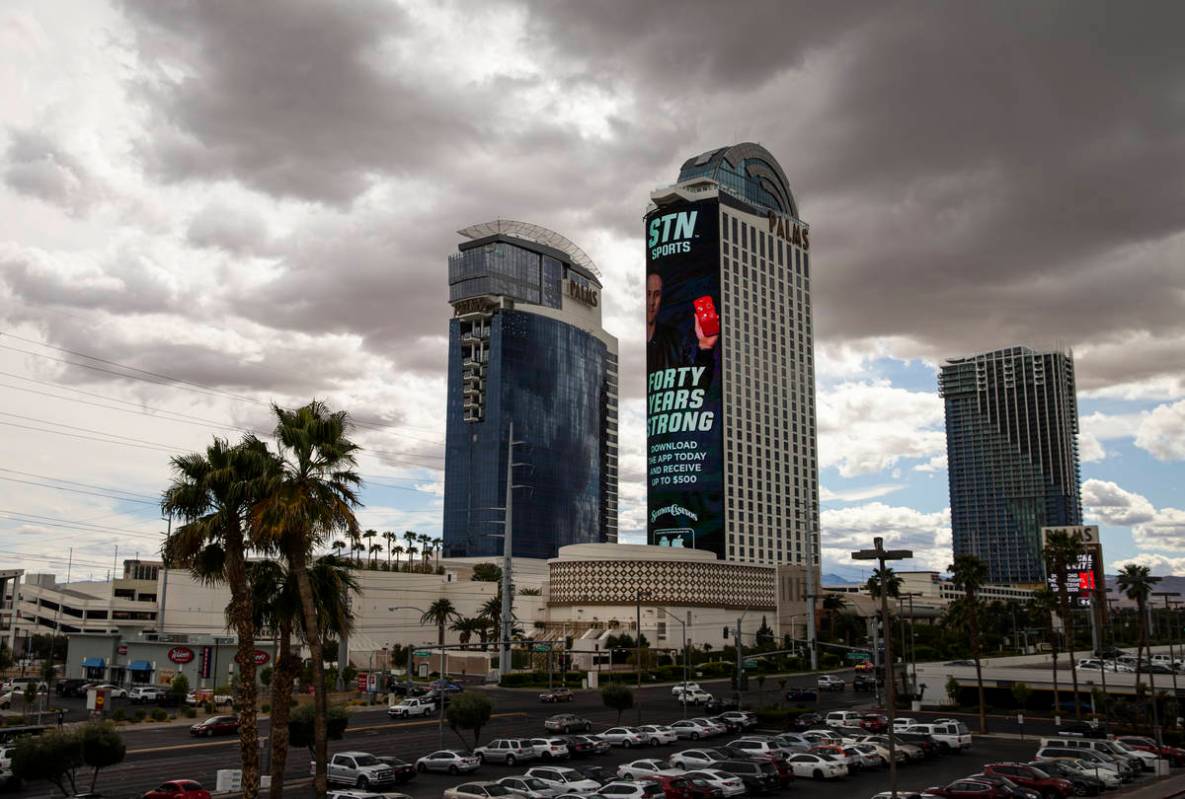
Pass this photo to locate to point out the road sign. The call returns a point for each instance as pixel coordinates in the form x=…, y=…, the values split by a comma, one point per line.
x=421, y=653
x=750, y=664
x=857, y=656
x=542, y=647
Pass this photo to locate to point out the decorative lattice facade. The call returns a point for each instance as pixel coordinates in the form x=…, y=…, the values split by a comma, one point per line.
x=683, y=583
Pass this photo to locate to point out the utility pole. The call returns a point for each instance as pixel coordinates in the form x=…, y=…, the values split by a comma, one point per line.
x=880, y=555
x=164, y=586
x=343, y=653
x=811, y=595
x=740, y=659
x=1172, y=657
x=638, y=594
x=507, y=621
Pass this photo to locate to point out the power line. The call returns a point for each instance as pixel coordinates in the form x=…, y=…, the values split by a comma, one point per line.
x=72, y=482
x=89, y=438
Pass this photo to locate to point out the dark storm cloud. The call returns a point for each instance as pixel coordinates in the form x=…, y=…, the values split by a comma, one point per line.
x=36, y=165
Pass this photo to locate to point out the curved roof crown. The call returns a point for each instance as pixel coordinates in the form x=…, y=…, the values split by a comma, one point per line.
x=535, y=233
x=747, y=169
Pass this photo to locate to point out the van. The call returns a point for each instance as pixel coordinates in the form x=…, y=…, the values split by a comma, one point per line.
x=953, y=737
x=1093, y=762
x=843, y=718
x=1126, y=760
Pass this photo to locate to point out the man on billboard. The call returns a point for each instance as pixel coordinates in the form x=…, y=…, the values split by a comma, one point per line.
x=665, y=346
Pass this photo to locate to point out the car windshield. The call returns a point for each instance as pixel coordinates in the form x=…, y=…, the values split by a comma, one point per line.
x=366, y=760
x=498, y=790
x=536, y=784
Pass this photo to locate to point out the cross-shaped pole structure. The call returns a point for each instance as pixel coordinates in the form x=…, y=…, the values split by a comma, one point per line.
x=880, y=555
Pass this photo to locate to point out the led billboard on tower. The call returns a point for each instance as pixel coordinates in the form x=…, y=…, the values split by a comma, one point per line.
x=684, y=408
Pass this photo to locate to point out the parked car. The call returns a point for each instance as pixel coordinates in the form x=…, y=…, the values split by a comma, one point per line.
x=215, y=725
x=1093, y=762
x=1085, y=784
x=530, y=787
x=580, y=746
x=1015, y=790
x=816, y=766
x=621, y=736
x=1082, y=729
x=742, y=717
x=930, y=747
x=401, y=770
x=726, y=782
x=1174, y=754
x=713, y=727
x=143, y=694
x=718, y=704
x=69, y=687
x=748, y=748
x=567, y=780
x=557, y=695
x=691, y=730
x=677, y=786
x=864, y=683
x=178, y=789
x=361, y=770
x=479, y=790
x=970, y=789
x=448, y=760
x=412, y=706
x=870, y=755
x=567, y=723
x=953, y=737
x=630, y=789
x=806, y=721
x=554, y=748
x=505, y=750
x=679, y=688
x=829, y=682
x=645, y=768
x=657, y=734
x=874, y=722
x=690, y=759
x=843, y=718
x=1026, y=776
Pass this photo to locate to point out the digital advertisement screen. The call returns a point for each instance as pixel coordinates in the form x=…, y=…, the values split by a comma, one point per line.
x=684, y=405
x=1084, y=577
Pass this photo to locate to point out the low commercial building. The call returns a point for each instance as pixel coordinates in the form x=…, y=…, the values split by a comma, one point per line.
x=150, y=659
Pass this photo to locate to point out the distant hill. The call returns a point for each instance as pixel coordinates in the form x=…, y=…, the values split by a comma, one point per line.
x=834, y=579
x=1170, y=584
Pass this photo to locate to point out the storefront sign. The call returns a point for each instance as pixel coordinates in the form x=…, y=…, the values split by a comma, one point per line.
x=181, y=654
x=261, y=657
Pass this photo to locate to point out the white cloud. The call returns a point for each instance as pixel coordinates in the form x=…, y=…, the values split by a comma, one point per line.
x=858, y=494
x=1159, y=564
x=1162, y=432
x=1090, y=449
x=1156, y=528
x=845, y=530
x=868, y=427
x=935, y=464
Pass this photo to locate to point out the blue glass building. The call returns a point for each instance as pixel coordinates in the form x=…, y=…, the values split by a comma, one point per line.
x=526, y=346
x=1012, y=456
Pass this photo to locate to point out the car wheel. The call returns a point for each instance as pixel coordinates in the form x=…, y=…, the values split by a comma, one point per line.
x=420, y=767
x=1080, y=790
x=510, y=759
x=695, y=736
x=818, y=774
x=363, y=783
x=626, y=744
x=588, y=727
x=654, y=742
x=453, y=770
x=481, y=757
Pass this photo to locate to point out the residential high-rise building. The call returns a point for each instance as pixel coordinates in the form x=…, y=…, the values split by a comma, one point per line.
x=1012, y=456
x=526, y=347
x=731, y=440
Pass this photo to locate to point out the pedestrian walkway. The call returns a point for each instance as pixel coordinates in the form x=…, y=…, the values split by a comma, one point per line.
x=1169, y=788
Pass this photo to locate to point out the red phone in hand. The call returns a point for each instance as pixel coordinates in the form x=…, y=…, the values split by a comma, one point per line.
x=705, y=312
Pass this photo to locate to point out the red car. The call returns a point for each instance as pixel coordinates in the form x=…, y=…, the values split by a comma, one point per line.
x=1026, y=776
x=178, y=789
x=215, y=725
x=875, y=723
x=683, y=788
x=785, y=774
x=970, y=789
x=1173, y=754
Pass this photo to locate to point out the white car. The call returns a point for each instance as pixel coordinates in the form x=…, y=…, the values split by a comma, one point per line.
x=113, y=691
x=448, y=760
x=843, y=718
x=902, y=723
x=657, y=734
x=530, y=787
x=816, y=766
x=695, y=697
x=568, y=780
x=751, y=747
x=646, y=767
x=621, y=736
x=479, y=790
x=728, y=784
x=676, y=690
x=644, y=789
x=1110, y=779
x=823, y=737
x=549, y=748
x=412, y=706
x=951, y=737
x=829, y=682
x=870, y=755
x=708, y=724
x=741, y=717
x=692, y=730
x=695, y=759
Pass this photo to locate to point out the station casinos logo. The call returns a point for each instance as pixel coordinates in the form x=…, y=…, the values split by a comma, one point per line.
x=671, y=233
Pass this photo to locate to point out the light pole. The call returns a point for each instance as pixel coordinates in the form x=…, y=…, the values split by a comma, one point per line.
x=638, y=594
x=880, y=555
x=1172, y=658
x=443, y=668
x=682, y=624
x=913, y=644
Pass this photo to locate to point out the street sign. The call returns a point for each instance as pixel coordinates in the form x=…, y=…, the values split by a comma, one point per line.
x=857, y=656
x=750, y=664
x=421, y=653
x=542, y=647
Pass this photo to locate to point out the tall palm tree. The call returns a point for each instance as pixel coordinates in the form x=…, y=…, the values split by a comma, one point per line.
x=313, y=495
x=398, y=553
x=370, y=535
x=833, y=605
x=357, y=548
x=466, y=627
x=279, y=610
x=440, y=613
x=338, y=546
x=410, y=538
x=969, y=573
x=1136, y=582
x=1061, y=555
x=1043, y=604
x=213, y=493
x=411, y=558
x=425, y=548
x=389, y=537
x=375, y=549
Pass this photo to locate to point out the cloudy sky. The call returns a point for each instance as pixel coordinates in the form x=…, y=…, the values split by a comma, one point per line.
x=208, y=206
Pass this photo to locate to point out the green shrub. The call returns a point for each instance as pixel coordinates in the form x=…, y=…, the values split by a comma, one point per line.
x=189, y=712
x=139, y=716
x=119, y=715
x=159, y=714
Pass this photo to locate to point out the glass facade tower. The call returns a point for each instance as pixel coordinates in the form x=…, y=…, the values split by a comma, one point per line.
x=526, y=346
x=1012, y=455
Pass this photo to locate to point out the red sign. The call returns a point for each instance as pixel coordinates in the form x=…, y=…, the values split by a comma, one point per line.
x=181, y=654
x=122, y=649
x=361, y=682
x=261, y=657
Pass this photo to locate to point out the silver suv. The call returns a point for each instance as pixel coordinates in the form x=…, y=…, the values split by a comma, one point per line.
x=505, y=750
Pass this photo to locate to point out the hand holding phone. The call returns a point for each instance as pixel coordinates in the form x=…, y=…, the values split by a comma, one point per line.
x=706, y=316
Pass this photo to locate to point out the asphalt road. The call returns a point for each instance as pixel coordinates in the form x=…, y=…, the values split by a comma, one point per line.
x=162, y=753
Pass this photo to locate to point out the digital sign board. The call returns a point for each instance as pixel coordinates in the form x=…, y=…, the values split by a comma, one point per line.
x=1084, y=577
x=684, y=405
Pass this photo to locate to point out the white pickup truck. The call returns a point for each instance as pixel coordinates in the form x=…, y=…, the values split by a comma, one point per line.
x=412, y=706
x=361, y=770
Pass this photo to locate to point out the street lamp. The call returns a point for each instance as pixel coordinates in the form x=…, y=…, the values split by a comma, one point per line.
x=443, y=667
x=880, y=555
x=682, y=624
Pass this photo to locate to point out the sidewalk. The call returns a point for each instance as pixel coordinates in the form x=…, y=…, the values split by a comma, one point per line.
x=1169, y=788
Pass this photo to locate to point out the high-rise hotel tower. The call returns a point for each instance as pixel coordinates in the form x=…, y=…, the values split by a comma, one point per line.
x=732, y=461
x=1012, y=456
x=526, y=347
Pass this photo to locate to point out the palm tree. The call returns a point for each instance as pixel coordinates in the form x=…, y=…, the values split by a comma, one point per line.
x=279, y=610
x=410, y=538
x=1061, y=554
x=370, y=535
x=213, y=493
x=466, y=627
x=338, y=546
x=1043, y=604
x=425, y=547
x=389, y=537
x=1136, y=582
x=357, y=548
x=440, y=613
x=969, y=573
x=313, y=495
x=437, y=545
x=375, y=549
x=398, y=552
x=833, y=605
x=411, y=557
